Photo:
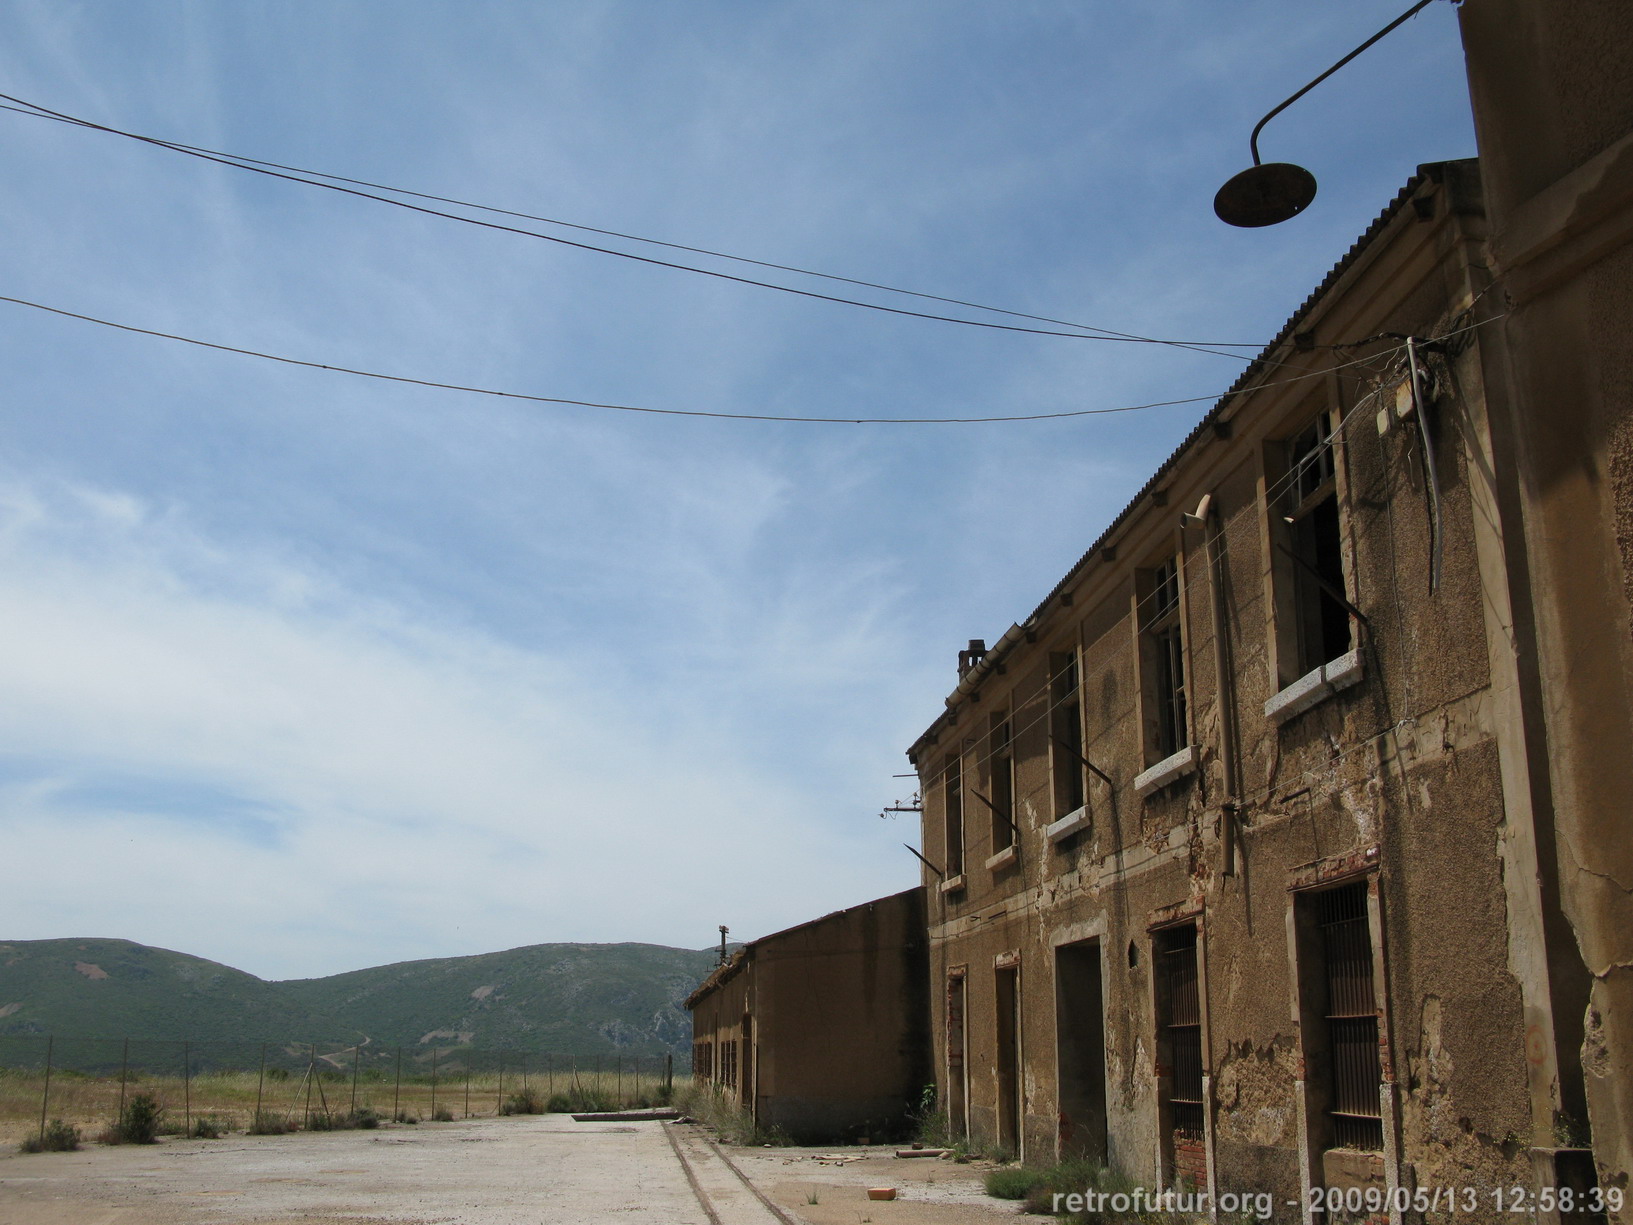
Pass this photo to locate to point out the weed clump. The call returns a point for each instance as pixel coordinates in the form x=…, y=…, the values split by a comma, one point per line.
x=270, y=1123
x=443, y=1115
x=58, y=1137
x=211, y=1126
x=139, y=1122
x=526, y=1102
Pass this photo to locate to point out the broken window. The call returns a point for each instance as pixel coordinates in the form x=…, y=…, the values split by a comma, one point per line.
x=703, y=1060
x=728, y=1064
x=1001, y=781
x=1066, y=727
x=1162, y=661
x=952, y=809
x=1313, y=550
x=1179, y=1029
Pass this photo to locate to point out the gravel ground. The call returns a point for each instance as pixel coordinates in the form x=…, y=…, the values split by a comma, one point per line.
x=540, y=1170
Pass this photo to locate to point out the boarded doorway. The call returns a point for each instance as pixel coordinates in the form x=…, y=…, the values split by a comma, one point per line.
x=1080, y=1034
x=1009, y=1058
x=958, y=1079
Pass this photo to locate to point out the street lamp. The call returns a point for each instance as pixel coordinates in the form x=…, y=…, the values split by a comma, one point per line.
x=1268, y=193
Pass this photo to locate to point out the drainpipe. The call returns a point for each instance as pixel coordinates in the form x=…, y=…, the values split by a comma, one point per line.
x=1207, y=517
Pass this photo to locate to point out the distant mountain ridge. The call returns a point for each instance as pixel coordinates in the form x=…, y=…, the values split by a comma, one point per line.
x=580, y=999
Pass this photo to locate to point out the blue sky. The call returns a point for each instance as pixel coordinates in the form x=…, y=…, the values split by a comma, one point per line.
x=304, y=672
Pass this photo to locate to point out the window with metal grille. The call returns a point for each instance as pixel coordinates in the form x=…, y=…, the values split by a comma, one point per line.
x=1179, y=1020
x=1066, y=723
x=1163, y=659
x=1351, y=1015
x=702, y=1060
x=1314, y=547
x=952, y=809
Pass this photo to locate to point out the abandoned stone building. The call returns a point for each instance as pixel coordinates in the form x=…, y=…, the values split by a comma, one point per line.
x=822, y=1031
x=1236, y=879
x=1287, y=844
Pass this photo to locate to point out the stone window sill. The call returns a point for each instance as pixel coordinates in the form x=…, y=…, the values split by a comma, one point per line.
x=1166, y=771
x=1003, y=858
x=953, y=883
x=1068, y=825
x=1316, y=687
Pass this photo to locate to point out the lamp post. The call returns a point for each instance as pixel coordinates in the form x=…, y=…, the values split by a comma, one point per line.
x=1268, y=193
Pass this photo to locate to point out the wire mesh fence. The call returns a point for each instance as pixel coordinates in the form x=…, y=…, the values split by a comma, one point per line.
x=210, y=1088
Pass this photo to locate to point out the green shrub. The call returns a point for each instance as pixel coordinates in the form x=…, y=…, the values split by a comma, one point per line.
x=443, y=1115
x=140, y=1120
x=269, y=1123
x=211, y=1126
x=525, y=1102
x=365, y=1117
x=58, y=1137
x=1013, y=1182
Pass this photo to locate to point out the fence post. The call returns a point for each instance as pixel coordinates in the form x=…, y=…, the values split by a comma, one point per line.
x=470, y=1058
x=499, y=1100
x=45, y=1093
x=311, y=1070
x=433, y=1084
x=260, y=1083
x=124, y=1065
x=186, y=1089
x=524, y=1073
x=669, y=1072
x=357, y=1054
x=550, y=1072
x=620, y=1060
x=397, y=1089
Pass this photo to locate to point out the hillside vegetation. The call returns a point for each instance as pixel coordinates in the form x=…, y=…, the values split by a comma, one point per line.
x=583, y=999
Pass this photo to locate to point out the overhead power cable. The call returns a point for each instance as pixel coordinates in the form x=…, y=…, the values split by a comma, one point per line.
x=351, y=187
x=636, y=408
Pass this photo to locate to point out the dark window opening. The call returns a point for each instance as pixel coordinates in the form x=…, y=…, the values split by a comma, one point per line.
x=1163, y=650
x=1001, y=769
x=952, y=805
x=1066, y=721
x=1179, y=1021
x=1315, y=541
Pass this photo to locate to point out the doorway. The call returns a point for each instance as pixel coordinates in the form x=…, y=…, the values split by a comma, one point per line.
x=1010, y=1111
x=1080, y=1036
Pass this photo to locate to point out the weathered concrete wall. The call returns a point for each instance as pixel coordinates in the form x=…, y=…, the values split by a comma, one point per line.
x=1553, y=103
x=831, y=1021
x=1396, y=780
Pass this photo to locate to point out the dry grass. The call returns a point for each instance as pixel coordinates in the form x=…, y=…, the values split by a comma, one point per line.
x=92, y=1103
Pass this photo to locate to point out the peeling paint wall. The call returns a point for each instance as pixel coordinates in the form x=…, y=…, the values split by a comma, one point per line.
x=1394, y=775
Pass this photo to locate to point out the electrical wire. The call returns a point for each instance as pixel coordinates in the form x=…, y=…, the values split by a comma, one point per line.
x=338, y=183
x=1019, y=700
x=666, y=412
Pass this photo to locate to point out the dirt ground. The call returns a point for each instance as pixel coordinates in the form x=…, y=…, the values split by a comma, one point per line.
x=539, y=1170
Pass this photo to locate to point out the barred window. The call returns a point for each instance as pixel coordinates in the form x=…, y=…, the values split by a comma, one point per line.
x=1351, y=1014
x=1179, y=1018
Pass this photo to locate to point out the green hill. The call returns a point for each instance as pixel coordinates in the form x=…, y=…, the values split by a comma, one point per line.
x=565, y=999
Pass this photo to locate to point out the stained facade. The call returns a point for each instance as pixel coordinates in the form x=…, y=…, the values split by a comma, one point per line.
x=1237, y=881
x=821, y=1031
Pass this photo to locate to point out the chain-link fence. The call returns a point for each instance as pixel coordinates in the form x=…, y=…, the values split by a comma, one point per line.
x=209, y=1088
